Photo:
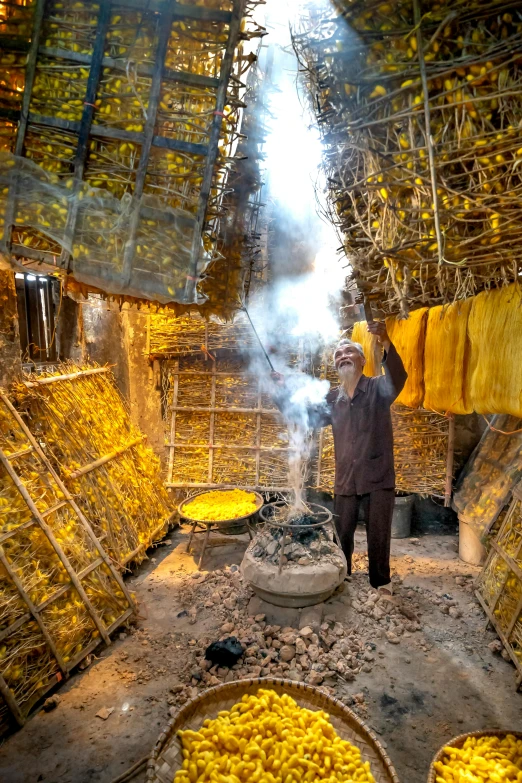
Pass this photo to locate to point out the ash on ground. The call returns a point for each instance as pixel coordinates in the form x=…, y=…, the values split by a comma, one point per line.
x=301, y=545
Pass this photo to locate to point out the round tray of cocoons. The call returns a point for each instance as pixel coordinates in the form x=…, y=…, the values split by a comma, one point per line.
x=459, y=742
x=167, y=756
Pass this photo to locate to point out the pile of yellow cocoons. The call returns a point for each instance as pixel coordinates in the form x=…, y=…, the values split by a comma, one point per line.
x=221, y=505
x=268, y=738
x=482, y=760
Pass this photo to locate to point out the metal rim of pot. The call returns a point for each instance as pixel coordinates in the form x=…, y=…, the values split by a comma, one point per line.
x=280, y=503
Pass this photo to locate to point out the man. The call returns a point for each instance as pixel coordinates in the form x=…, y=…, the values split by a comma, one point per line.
x=359, y=413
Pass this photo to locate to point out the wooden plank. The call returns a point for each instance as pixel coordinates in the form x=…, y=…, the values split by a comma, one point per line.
x=30, y=70
x=270, y=411
x=148, y=133
x=82, y=146
x=143, y=69
x=68, y=377
x=215, y=131
x=173, y=409
x=106, y=458
x=229, y=446
x=13, y=576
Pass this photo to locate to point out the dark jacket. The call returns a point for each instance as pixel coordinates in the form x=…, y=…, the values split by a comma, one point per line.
x=362, y=429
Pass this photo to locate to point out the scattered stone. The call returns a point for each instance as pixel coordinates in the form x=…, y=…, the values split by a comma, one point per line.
x=314, y=678
x=454, y=612
x=307, y=631
x=506, y=656
x=52, y=702
x=496, y=646
x=105, y=712
x=287, y=653
x=260, y=618
x=392, y=638
x=227, y=628
x=300, y=646
x=229, y=603
x=173, y=711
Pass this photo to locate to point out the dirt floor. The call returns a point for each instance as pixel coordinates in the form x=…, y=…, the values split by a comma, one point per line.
x=418, y=672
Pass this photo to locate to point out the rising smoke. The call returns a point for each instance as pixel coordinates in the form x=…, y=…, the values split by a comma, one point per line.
x=296, y=315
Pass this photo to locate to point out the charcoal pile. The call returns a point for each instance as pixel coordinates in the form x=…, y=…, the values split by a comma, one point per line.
x=301, y=545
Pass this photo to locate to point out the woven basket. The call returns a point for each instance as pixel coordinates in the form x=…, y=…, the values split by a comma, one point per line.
x=166, y=758
x=458, y=742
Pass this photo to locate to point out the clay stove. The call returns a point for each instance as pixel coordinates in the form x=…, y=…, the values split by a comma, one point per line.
x=295, y=559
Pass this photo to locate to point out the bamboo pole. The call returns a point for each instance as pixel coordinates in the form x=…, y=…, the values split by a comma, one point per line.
x=231, y=447
x=11, y=702
x=68, y=377
x=106, y=458
x=173, y=420
x=258, y=448
x=449, y=461
x=211, y=429
x=268, y=411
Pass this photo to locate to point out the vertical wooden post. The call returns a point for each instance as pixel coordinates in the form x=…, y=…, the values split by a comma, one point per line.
x=449, y=460
x=172, y=435
x=11, y=702
x=258, y=435
x=212, y=424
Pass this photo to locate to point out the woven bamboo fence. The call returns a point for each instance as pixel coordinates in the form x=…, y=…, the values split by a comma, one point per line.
x=119, y=128
x=420, y=109
x=60, y=594
x=499, y=588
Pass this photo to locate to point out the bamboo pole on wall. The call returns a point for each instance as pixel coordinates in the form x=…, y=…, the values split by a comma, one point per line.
x=450, y=460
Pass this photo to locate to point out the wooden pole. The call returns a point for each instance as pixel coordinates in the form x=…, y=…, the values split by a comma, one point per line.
x=211, y=429
x=449, y=460
x=69, y=377
x=102, y=460
x=429, y=137
x=174, y=408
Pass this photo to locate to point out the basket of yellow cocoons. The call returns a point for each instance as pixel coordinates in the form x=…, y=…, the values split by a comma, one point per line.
x=479, y=757
x=267, y=731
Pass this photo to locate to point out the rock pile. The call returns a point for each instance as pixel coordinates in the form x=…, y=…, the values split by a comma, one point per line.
x=329, y=654
x=267, y=546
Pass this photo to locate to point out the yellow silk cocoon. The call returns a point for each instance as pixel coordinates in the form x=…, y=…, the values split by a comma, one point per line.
x=445, y=358
x=371, y=347
x=408, y=337
x=495, y=367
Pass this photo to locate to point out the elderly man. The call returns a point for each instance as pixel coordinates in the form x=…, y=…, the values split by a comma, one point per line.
x=359, y=413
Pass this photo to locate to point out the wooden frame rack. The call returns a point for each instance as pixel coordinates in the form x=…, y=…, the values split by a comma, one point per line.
x=132, y=278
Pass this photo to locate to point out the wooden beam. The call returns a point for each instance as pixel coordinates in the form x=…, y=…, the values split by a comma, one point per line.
x=267, y=411
x=102, y=460
x=173, y=409
x=148, y=134
x=143, y=69
x=69, y=377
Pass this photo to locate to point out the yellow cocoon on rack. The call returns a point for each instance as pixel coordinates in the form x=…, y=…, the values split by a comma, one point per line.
x=408, y=337
x=446, y=354
x=371, y=347
x=495, y=333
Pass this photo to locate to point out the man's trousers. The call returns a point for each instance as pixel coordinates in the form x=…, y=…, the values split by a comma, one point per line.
x=377, y=510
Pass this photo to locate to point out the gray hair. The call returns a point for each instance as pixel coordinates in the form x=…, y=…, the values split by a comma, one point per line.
x=357, y=346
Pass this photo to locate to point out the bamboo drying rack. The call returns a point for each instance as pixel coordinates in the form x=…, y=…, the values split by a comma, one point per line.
x=499, y=587
x=158, y=517
x=134, y=278
x=19, y=708
x=418, y=109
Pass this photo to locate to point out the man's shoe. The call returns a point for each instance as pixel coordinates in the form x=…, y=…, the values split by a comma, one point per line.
x=386, y=591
